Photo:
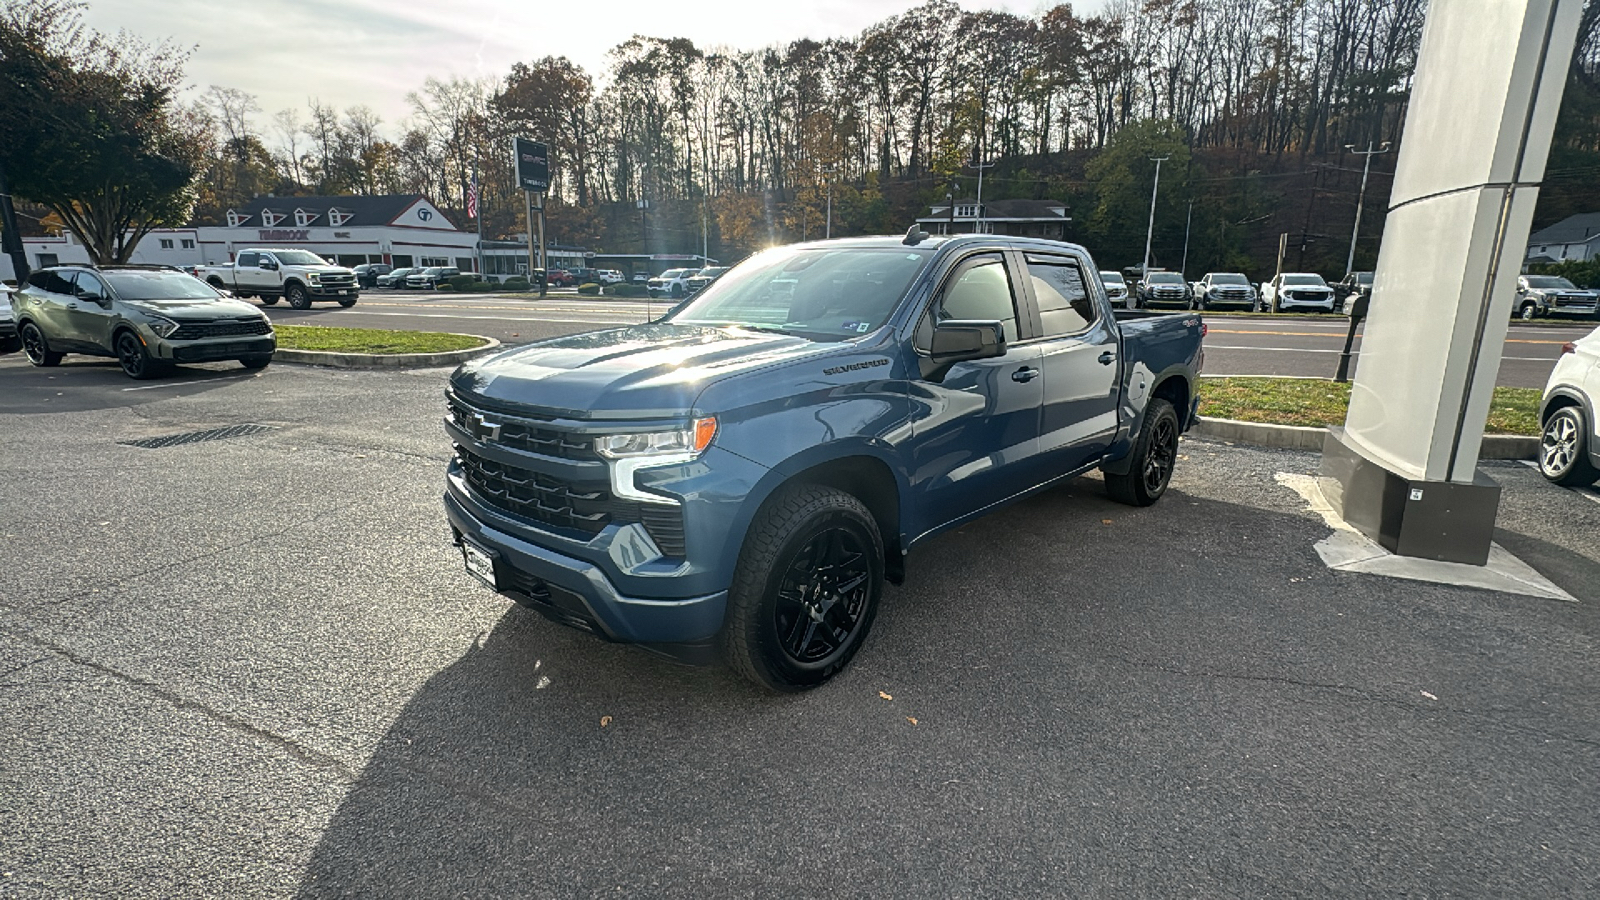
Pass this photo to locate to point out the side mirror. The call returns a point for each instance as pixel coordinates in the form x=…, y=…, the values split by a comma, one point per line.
x=959, y=340
x=93, y=298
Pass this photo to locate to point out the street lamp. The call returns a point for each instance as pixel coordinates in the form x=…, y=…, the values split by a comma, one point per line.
x=1150, y=230
x=1369, y=153
x=828, y=231
x=977, y=225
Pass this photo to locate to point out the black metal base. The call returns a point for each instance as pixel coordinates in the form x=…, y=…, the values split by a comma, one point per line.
x=1440, y=520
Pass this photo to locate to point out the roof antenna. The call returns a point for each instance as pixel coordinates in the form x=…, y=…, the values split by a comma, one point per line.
x=914, y=236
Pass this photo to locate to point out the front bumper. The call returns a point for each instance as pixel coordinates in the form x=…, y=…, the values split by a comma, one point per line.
x=1239, y=299
x=1324, y=303
x=333, y=291
x=211, y=350
x=573, y=591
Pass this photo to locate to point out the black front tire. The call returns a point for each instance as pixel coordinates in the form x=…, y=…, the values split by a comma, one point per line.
x=1529, y=312
x=135, y=357
x=1564, y=449
x=298, y=298
x=268, y=299
x=806, y=589
x=1154, y=456
x=258, y=361
x=37, y=348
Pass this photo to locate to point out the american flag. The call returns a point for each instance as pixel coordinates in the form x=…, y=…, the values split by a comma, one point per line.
x=472, y=198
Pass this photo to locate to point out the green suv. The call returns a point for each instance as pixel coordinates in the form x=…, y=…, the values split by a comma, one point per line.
x=147, y=317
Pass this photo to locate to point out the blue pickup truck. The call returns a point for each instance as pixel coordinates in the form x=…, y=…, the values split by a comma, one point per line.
x=739, y=477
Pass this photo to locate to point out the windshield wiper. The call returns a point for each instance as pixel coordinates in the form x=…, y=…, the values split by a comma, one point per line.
x=769, y=329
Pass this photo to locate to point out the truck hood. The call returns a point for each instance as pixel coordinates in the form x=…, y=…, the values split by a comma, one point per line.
x=642, y=371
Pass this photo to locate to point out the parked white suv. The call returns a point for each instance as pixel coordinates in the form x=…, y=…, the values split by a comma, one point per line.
x=1569, y=434
x=673, y=282
x=607, y=276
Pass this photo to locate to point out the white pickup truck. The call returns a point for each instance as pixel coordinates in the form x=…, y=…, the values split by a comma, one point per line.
x=298, y=276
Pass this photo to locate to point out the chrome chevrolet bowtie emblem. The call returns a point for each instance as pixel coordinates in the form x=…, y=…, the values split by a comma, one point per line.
x=483, y=429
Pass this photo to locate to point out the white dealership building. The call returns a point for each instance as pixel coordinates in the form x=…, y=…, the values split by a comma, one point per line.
x=398, y=229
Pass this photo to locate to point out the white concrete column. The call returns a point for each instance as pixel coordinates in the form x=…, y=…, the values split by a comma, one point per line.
x=1477, y=135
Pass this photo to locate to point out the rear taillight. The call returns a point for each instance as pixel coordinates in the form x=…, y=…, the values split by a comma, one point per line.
x=1204, y=328
x=1569, y=347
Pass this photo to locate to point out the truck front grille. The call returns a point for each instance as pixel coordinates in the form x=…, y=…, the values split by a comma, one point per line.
x=523, y=434
x=194, y=331
x=337, y=281
x=581, y=511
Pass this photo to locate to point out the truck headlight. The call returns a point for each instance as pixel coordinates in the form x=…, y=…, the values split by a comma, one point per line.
x=162, y=327
x=629, y=453
x=692, y=440
x=314, y=277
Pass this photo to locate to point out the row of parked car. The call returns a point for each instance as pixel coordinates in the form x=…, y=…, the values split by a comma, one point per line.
x=1537, y=295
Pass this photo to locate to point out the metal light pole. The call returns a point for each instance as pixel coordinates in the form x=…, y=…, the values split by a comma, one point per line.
x=1150, y=230
x=950, y=208
x=1187, y=219
x=828, y=231
x=977, y=227
x=10, y=237
x=1369, y=153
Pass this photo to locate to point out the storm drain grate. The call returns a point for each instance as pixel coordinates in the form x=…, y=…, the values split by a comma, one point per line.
x=195, y=437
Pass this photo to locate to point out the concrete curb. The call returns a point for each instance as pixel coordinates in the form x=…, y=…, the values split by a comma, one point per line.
x=383, y=360
x=1295, y=437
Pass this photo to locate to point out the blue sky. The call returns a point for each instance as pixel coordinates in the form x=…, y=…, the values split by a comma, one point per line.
x=348, y=52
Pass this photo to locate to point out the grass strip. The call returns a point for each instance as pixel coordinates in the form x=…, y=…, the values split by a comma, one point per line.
x=371, y=340
x=1317, y=404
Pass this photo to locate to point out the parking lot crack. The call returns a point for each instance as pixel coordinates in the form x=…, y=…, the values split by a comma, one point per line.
x=312, y=757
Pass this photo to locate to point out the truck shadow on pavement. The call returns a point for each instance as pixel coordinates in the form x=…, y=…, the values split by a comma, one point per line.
x=1068, y=697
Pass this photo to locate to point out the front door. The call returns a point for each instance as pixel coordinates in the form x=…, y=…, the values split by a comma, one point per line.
x=976, y=426
x=89, y=317
x=1081, y=368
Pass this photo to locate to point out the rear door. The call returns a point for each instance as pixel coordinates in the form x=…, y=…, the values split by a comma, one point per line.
x=977, y=436
x=1078, y=343
x=50, y=291
x=247, y=271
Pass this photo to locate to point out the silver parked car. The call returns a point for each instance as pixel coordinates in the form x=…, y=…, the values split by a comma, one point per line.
x=1116, y=288
x=1569, y=435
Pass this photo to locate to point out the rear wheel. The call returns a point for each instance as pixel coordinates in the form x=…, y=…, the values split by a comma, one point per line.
x=1154, y=456
x=298, y=298
x=268, y=299
x=806, y=589
x=38, y=350
x=1564, y=449
x=135, y=358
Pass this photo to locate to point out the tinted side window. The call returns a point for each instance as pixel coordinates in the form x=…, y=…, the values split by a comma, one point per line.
x=40, y=280
x=58, y=282
x=982, y=291
x=1064, y=304
x=249, y=259
x=88, y=284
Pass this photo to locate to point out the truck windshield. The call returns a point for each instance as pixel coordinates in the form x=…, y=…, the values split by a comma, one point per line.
x=299, y=258
x=818, y=293
x=1304, y=280
x=1546, y=282
x=1227, y=278
x=1165, y=278
x=158, y=285
x=1112, y=278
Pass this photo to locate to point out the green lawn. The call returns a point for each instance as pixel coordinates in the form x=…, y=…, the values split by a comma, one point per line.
x=1317, y=403
x=370, y=340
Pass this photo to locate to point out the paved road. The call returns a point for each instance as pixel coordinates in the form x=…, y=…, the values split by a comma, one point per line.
x=254, y=667
x=1236, y=346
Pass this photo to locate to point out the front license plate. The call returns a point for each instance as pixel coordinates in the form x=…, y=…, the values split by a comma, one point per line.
x=480, y=562
x=344, y=293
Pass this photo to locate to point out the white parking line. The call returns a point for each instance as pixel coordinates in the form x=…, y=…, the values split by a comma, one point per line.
x=169, y=384
x=1587, y=492
x=1210, y=346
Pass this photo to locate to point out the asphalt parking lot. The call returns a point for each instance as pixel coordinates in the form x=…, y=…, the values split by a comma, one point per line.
x=254, y=667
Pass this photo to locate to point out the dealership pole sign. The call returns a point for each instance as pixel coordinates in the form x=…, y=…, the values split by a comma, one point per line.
x=532, y=163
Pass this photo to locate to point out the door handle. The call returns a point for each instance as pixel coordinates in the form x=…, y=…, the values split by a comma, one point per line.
x=1107, y=358
x=1024, y=374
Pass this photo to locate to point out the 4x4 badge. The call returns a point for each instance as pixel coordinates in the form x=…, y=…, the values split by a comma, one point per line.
x=483, y=429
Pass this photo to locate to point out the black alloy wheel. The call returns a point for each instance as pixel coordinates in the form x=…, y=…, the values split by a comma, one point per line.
x=135, y=359
x=1155, y=455
x=298, y=298
x=1564, y=449
x=33, y=344
x=806, y=589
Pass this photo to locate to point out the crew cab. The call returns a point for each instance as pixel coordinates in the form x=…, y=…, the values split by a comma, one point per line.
x=672, y=282
x=1295, y=290
x=1219, y=288
x=1163, y=287
x=1550, y=295
x=742, y=475
x=298, y=276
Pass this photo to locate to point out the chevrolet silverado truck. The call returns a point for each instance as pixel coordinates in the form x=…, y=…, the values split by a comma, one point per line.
x=1550, y=295
x=298, y=276
x=740, y=477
